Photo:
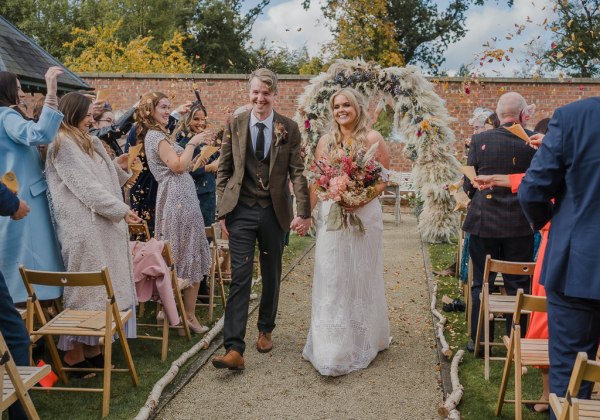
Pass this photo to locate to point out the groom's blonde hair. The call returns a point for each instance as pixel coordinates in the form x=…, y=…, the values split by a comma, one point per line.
x=266, y=76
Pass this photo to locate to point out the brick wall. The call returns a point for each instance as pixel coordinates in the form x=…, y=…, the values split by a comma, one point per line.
x=222, y=94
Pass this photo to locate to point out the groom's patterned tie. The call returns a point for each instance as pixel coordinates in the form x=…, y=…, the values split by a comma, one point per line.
x=260, y=141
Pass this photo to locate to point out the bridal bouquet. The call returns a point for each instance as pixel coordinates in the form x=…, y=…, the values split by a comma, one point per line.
x=348, y=178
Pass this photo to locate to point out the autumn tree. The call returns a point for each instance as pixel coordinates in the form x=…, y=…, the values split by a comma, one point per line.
x=51, y=22
x=362, y=29
x=419, y=31
x=575, y=47
x=99, y=49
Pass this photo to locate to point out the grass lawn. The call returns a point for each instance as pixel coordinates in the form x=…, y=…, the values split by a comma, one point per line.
x=480, y=396
x=127, y=400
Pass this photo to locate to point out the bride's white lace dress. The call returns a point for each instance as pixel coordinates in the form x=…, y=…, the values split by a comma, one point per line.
x=349, y=319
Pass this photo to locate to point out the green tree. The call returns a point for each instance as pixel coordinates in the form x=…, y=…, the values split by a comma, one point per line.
x=575, y=47
x=220, y=35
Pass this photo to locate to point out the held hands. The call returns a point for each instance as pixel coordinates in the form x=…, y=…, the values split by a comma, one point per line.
x=300, y=225
x=51, y=76
x=224, y=230
x=132, y=217
x=483, y=182
x=22, y=211
x=536, y=140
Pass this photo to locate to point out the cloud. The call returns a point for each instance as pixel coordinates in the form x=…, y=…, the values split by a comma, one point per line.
x=494, y=21
x=288, y=25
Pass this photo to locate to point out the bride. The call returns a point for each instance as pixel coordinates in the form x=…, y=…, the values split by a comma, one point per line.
x=349, y=321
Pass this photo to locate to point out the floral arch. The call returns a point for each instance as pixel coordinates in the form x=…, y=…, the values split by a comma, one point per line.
x=420, y=116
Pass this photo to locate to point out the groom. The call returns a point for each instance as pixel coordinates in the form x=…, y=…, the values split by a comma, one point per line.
x=260, y=151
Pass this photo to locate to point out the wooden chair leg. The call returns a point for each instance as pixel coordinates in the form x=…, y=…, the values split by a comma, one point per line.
x=479, y=325
x=221, y=283
x=486, y=331
x=505, y=376
x=518, y=373
x=184, y=320
x=107, y=373
x=211, y=294
x=56, y=359
x=165, y=339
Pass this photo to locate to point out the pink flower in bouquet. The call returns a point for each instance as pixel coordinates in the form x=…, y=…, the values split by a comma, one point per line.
x=323, y=181
x=337, y=186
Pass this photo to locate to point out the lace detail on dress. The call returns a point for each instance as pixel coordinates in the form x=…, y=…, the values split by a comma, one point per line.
x=349, y=321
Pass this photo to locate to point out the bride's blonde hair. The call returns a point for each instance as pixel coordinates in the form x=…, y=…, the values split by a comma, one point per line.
x=361, y=124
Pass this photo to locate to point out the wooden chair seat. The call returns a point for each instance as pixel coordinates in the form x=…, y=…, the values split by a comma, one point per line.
x=30, y=375
x=534, y=352
x=16, y=381
x=573, y=408
x=84, y=323
x=588, y=409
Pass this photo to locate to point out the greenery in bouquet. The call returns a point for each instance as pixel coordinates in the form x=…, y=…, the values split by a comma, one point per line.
x=347, y=177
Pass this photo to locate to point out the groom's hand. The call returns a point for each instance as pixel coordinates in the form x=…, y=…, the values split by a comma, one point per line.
x=224, y=230
x=300, y=225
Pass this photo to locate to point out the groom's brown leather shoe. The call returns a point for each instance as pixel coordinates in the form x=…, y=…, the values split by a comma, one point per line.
x=231, y=360
x=264, y=344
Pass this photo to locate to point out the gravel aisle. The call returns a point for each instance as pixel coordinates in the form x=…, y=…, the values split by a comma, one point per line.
x=401, y=383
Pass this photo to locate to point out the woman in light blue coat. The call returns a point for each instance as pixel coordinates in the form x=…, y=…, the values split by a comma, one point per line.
x=31, y=241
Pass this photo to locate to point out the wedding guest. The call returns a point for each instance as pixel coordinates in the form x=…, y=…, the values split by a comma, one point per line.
x=538, y=321
x=178, y=216
x=32, y=241
x=205, y=176
x=565, y=169
x=495, y=221
x=483, y=119
x=108, y=129
x=11, y=325
x=91, y=221
x=142, y=194
x=349, y=322
x=542, y=126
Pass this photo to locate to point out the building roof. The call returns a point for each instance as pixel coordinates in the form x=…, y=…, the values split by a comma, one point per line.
x=19, y=54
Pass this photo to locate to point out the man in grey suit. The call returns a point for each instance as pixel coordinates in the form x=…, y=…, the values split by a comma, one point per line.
x=260, y=151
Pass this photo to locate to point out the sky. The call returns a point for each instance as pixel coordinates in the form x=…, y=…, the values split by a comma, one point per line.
x=285, y=23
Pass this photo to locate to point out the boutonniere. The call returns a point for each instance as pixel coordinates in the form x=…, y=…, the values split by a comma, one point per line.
x=280, y=133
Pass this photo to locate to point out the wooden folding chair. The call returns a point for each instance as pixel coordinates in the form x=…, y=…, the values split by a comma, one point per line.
x=574, y=408
x=16, y=381
x=524, y=351
x=102, y=324
x=168, y=257
x=216, y=247
x=491, y=305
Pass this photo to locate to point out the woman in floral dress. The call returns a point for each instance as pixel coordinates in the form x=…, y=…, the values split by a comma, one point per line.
x=178, y=218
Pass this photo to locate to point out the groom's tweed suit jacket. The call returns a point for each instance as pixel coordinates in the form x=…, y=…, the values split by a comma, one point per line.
x=496, y=213
x=285, y=163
